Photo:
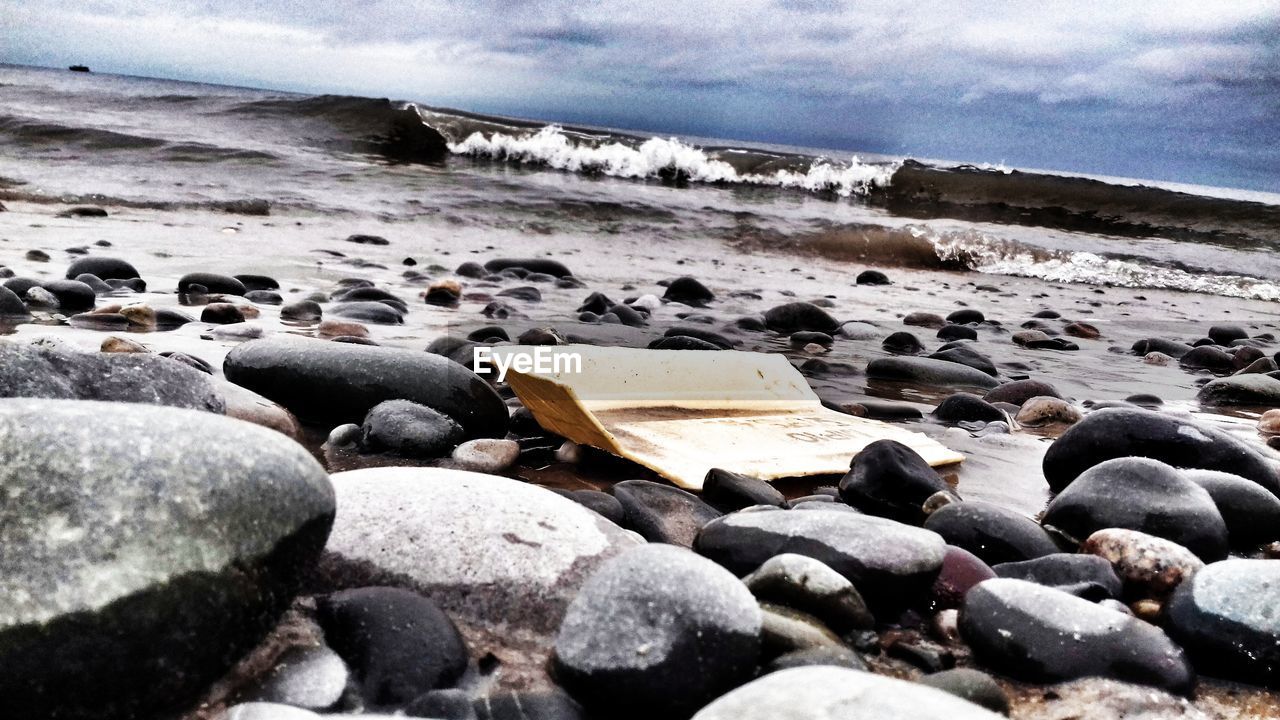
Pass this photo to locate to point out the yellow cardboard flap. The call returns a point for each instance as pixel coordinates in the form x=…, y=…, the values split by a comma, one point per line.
x=682, y=413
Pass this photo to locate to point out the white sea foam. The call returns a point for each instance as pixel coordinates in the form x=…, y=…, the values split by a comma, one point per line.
x=551, y=147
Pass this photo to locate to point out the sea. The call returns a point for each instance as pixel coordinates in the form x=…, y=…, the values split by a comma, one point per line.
x=74, y=137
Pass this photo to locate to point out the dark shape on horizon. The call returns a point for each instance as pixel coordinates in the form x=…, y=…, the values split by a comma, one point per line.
x=79, y=68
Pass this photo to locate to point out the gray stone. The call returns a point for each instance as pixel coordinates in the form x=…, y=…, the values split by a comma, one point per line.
x=657, y=632
x=808, y=585
x=832, y=693
x=409, y=429
x=927, y=371
x=267, y=711
x=146, y=549
x=307, y=677
x=502, y=557
x=1226, y=618
x=1251, y=512
x=786, y=630
x=972, y=685
x=1252, y=390
x=44, y=372
x=837, y=655
x=486, y=455
x=11, y=306
x=341, y=382
x=662, y=513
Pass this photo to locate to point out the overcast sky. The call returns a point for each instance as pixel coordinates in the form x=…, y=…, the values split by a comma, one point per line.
x=1177, y=89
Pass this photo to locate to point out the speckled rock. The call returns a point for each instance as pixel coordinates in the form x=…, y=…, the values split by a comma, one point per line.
x=1039, y=634
x=1150, y=567
x=833, y=693
x=657, y=632
x=502, y=557
x=890, y=563
x=147, y=548
x=1226, y=618
x=486, y=455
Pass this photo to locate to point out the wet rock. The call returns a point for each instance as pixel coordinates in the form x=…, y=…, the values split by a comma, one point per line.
x=808, y=585
x=1150, y=567
x=221, y=314
x=1082, y=330
x=360, y=239
x=834, y=693
x=398, y=643
x=889, y=479
x=1241, y=390
x=72, y=295
x=994, y=534
x=829, y=655
x=258, y=283
x=1017, y=392
x=714, y=338
x=311, y=677
x=967, y=356
x=806, y=338
x=1252, y=514
x=785, y=630
x=1044, y=410
x=977, y=687
x=36, y=256
x=486, y=455
x=1207, y=357
x=244, y=404
x=408, y=429
x=628, y=316
x=103, y=267
x=891, y=564
x=527, y=293
x=948, y=333
x=370, y=311
x=872, y=277
x=503, y=558
x=264, y=297
x=689, y=291
x=339, y=328
x=963, y=407
x=925, y=371
x=924, y=319
x=681, y=342
x=1086, y=576
x=11, y=305
x=795, y=316
x=340, y=382
x=966, y=316
x=1171, y=348
x=657, y=632
x=1039, y=634
x=1144, y=495
x=961, y=570
x=902, y=343
x=1121, y=432
x=126, y=599
x=662, y=513
x=28, y=371
x=533, y=265
x=212, y=282
x=1225, y=617
x=122, y=345
x=729, y=491
x=1226, y=334
x=601, y=502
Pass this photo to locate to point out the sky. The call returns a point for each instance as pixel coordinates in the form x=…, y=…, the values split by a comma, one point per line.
x=1182, y=90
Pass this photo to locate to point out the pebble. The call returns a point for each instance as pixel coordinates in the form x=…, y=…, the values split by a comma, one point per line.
x=657, y=631
x=209, y=504
x=1252, y=514
x=408, y=429
x=371, y=311
x=301, y=311
x=662, y=513
x=836, y=693
x=977, y=687
x=397, y=643
x=1017, y=392
x=1247, y=390
x=1085, y=576
x=1150, y=567
x=963, y=407
x=785, y=630
x=72, y=295
x=810, y=586
x=1140, y=494
x=966, y=316
x=889, y=479
x=341, y=328
x=872, y=277
x=212, y=282
x=728, y=491
x=1043, y=410
x=1122, y=432
x=105, y=268
x=902, y=343
x=311, y=677
x=829, y=655
x=926, y=371
x=966, y=355
x=486, y=455
x=993, y=533
x=1170, y=348
x=795, y=316
x=38, y=297
x=1226, y=619
x=1207, y=357
x=891, y=564
x=122, y=345
x=11, y=305
x=961, y=570
x=1038, y=634
x=948, y=333
x=689, y=291
x=221, y=313
x=601, y=502
x=924, y=319
x=533, y=265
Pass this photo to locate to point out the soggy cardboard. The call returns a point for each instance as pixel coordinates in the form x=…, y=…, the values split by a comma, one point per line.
x=682, y=413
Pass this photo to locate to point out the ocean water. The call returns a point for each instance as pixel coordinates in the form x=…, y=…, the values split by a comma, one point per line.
x=76, y=137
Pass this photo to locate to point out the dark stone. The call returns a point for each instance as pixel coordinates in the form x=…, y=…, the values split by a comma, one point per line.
x=97, y=284
x=689, y=291
x=370, y=311
x=375, y=294
x=221, y=314
x=682, y=342
x=489, y=333
x=409, y=429
x=729, y=491
x=805, y=584
x=527, y=293
x=212, y=283
x=872, y=277
x=1140, y=494
x=1208, y=357
x=133, y=586
x=1086, y=576
x=264, y=297
x=533, y=265
x=368, y=240
x=966, y=316
x=11, y=305
x=924, y=319
x=657, y=632
x=447, y=704
x=553, y=704
x=948, y=333
x=829, y=655
x=881, y=410
x=27, y=371
x=1251, y=512
x=977, y=687
x=662, y=513
x=103, y=267
x=258, y=282
x=902, y=343
x=601, y=502
x=891, y=564
x=84, y=211
x=339, y=382
x=1171, y=348
x=1225, y=616
x=795, y=316
x=397, y=643
x=1039, y=634
x=967, y=356
x=1018, y=392
x=938, y=373
x=301, y=311
x=889, y=479
x=629, y=316
x=963, y=407
x=714, y=338
x=1226, y=334
x=471, y=269
x=1122, y=432
x=993, y=533
x=807, y=337
x=961, y=570
x=597, y=303
x=1249, y=390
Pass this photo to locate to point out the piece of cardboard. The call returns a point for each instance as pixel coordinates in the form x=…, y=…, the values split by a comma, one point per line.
x=683, y=412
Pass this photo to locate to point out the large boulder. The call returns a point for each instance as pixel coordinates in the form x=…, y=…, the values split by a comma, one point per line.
x=1123, y=432
x=145, y=550
x=503, y=558
x=341, y=382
